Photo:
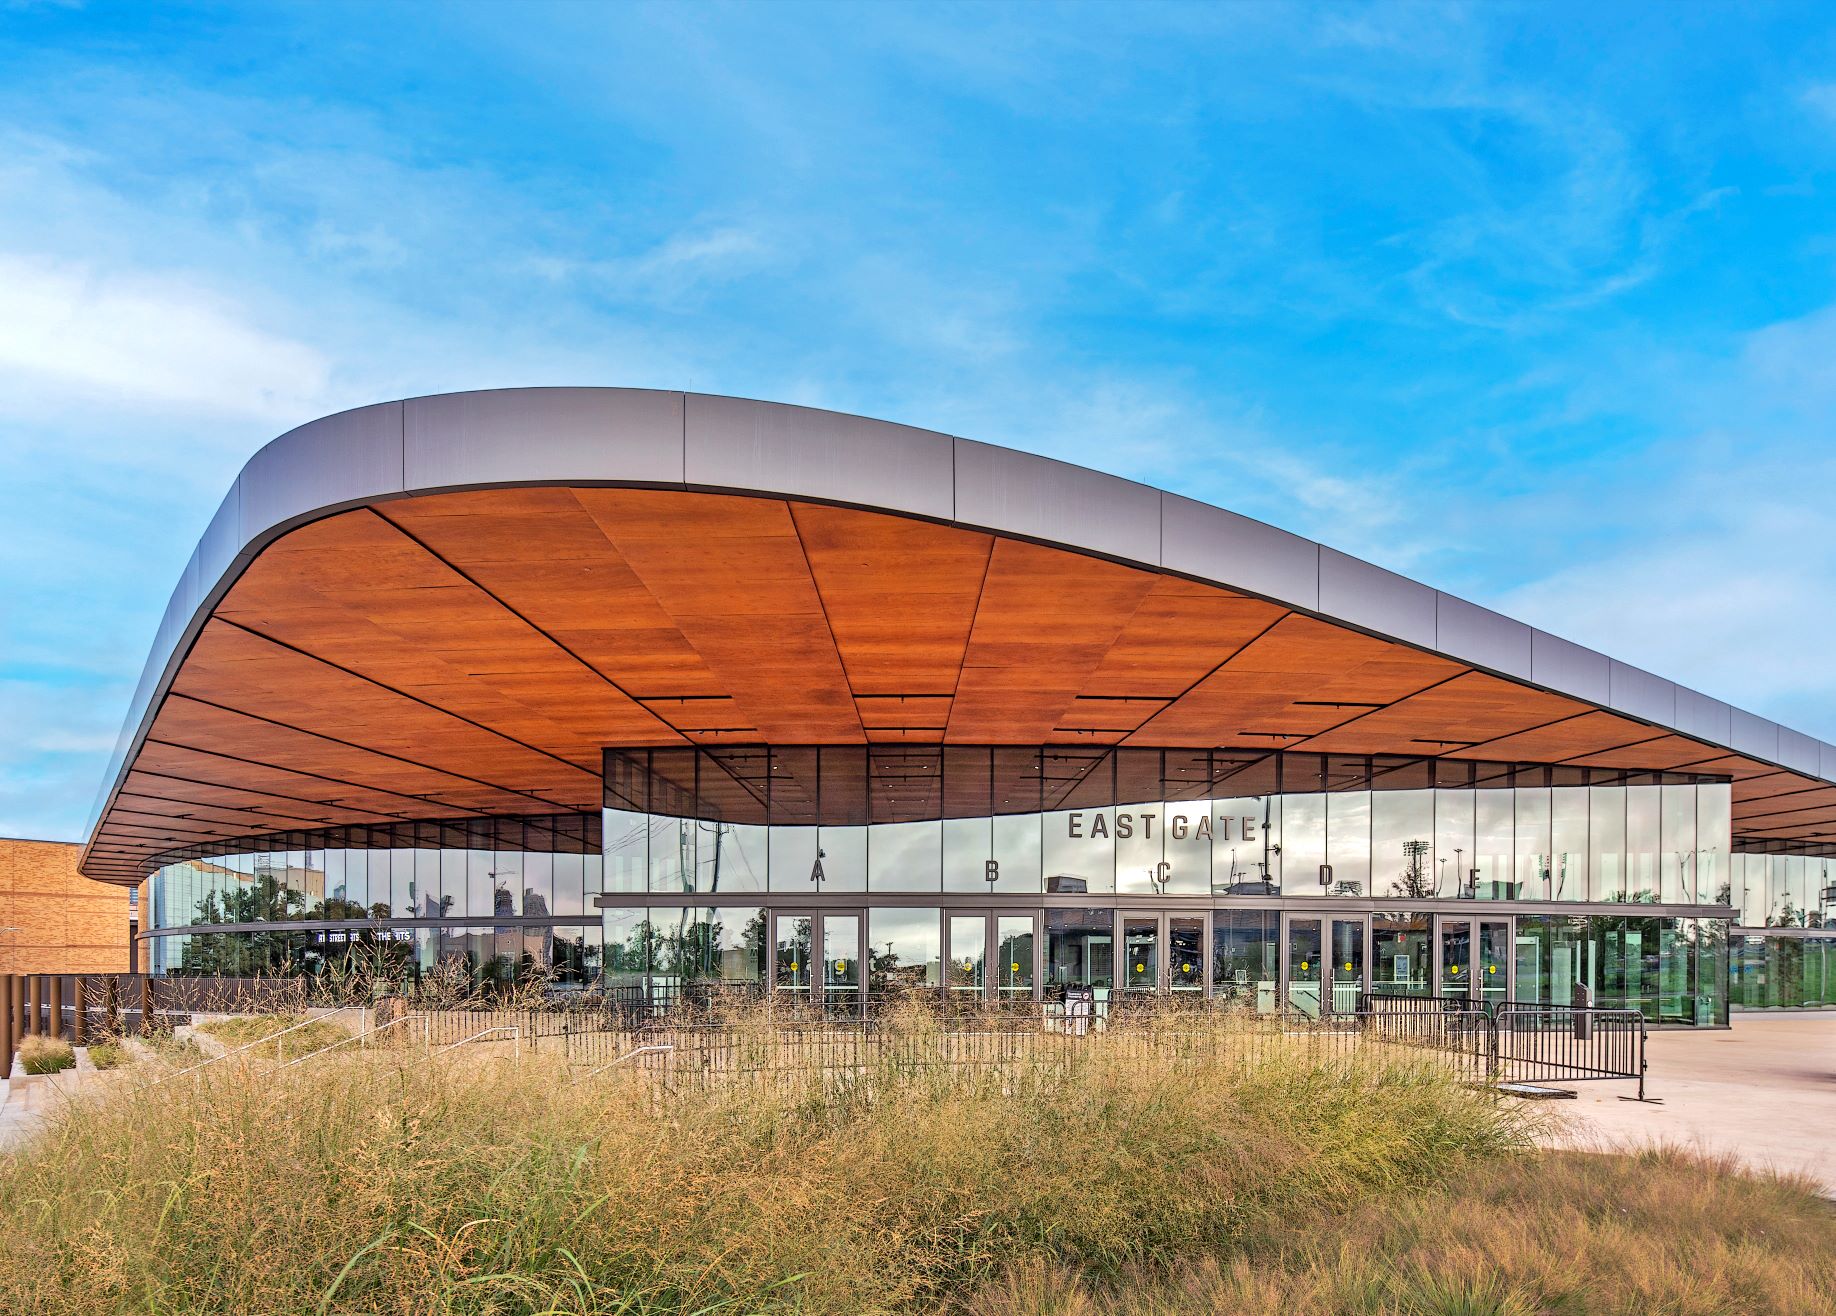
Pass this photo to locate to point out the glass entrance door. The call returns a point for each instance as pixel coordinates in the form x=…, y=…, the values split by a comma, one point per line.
x=1456, y=956
x=791, y=971
x=1345, y=969
x=965, y=970
x=1014, y=943
x=1141, y=952
x=1492, y=975
x=841, y=963
x=1186, y=954
x=1323, y=969
x=1301, y=966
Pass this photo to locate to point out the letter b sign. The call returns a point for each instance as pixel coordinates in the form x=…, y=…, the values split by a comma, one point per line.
x=993, y=871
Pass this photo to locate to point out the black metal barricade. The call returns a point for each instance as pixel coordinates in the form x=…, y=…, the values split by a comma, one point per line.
x=1565, y=1043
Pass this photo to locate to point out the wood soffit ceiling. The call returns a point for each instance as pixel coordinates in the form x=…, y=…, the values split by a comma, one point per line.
x=468, y=654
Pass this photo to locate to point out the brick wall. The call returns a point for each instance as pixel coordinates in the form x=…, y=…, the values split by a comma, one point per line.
x=65, y=922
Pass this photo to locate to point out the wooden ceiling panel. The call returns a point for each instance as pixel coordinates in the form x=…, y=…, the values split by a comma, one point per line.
x=1047, y=621
x=1453, y=718
x=360, y=593
x=1177, y=635
x=542, y=553
x=472, y=653
x=184, y=721
x=904, y=713
x=234, y=668
x=731, y=574
x=900, y=596
x=1554, y=742
x=1299, y=678
x=1659, y=751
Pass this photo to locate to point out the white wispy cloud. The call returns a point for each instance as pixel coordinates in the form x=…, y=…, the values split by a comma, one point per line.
x=145, y=339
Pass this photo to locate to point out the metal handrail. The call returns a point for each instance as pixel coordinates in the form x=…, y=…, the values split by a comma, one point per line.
x=249, y=1046
x=366, y=1035
x=516, y=1035
x=663, y=1048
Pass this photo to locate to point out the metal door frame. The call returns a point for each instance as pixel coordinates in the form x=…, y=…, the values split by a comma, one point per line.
x=1473, y=921
x=1159, y=918
x=1325, y=916
x=817, y=966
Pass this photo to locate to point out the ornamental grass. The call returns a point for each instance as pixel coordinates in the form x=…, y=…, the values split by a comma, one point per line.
x=474, y=1182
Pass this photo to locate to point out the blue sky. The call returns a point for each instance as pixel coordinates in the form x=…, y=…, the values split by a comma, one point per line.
x=1537, y=304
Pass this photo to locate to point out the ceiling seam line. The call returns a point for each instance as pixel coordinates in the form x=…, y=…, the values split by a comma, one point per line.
x=340, y=781
x=364, y=749
x=822, y=604
x=975, y=618
x=403, y=694
x=437, y=556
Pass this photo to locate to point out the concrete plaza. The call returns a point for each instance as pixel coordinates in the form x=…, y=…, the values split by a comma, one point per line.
x=1763, y=1091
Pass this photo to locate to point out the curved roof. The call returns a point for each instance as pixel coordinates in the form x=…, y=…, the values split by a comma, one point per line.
x=445, y=606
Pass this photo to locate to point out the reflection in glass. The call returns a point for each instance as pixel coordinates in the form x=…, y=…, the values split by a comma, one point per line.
x=1399, y=955
x=1080, y=948
x=1186, y=954
x=1456, y=957
x=963, y=974
x=1304, y=973
x=904, y=953
x=1243, y=957
x=1014, y=957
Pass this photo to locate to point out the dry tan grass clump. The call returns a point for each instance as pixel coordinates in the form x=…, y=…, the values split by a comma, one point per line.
x=1559, y=1234
x=45, y=1055
x=392, y=1182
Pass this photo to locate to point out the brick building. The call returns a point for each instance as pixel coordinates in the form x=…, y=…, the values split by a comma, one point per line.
x=55, y=920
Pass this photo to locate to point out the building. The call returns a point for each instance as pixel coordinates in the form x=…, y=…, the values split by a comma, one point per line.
x=55, y=920
x=642, y=687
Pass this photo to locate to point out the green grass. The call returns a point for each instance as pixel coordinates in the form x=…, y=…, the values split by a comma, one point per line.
x=109, y=1055
x=1144, y=1180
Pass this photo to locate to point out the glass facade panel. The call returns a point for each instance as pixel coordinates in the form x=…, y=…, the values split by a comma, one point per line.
x=1244, y=956
x=1643, y=808
x=1402, y=844
x=1080, y=948
x=1400, y=960
x=1568, y=843
x=1534, y=878
x=1303, y=846
x=904, y=951
x=686, y=827
x=1495, y=847
x=1677, y=850
x=1348, y=842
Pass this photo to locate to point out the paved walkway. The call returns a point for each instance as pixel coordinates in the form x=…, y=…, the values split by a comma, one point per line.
x=1764, y=1091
